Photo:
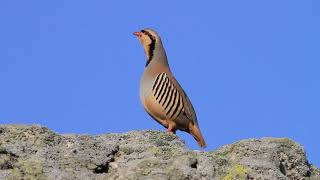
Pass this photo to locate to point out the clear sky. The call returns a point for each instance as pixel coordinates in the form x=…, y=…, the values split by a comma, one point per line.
x=251, y=68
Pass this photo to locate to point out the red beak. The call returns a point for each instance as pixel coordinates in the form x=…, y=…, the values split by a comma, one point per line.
x=138, y=34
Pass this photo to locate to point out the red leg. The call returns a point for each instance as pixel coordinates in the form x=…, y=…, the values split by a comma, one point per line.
x=171, y=128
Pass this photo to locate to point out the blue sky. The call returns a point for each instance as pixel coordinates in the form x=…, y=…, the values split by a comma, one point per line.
x=251, y=68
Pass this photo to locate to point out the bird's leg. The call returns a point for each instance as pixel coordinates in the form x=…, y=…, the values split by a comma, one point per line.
x=171, y=128
x=171, y=131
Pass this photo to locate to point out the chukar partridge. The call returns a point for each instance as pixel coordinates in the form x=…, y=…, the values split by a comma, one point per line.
x=161, y=94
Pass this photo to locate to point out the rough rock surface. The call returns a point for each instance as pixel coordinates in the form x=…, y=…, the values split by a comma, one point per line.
x=34, y=152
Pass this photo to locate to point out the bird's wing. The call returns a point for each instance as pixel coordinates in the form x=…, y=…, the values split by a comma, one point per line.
x=190, y=112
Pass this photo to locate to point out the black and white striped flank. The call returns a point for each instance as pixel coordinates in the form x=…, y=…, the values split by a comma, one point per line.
x=167, y=96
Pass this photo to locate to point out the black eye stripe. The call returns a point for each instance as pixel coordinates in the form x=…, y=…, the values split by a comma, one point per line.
x=149, y=35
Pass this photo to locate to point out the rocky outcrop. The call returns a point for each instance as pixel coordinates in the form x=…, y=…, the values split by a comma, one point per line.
x=34, y=152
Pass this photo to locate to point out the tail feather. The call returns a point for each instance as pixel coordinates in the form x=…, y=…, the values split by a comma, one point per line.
x=195, y=131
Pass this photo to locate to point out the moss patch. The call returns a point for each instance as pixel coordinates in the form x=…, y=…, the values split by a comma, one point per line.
x=236, y=172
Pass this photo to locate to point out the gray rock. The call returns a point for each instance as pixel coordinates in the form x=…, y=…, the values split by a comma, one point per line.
x=34, y=152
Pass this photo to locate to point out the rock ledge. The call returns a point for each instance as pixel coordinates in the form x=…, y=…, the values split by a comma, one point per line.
x=35, y=152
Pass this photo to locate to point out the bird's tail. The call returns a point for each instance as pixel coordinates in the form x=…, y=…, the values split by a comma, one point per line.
x=195, y=131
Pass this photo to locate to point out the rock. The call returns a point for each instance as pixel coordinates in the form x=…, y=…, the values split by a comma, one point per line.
x=35, y=152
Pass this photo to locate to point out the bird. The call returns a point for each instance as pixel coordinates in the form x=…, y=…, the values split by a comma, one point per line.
x=161, y=94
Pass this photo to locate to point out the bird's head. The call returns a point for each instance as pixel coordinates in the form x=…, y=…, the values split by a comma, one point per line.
x=151, y=43
x=147, y=37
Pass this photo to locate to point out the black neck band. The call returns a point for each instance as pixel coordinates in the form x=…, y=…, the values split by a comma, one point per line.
x=151, y=46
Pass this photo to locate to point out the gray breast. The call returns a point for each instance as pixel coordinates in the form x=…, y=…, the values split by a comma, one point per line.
x=145, y=85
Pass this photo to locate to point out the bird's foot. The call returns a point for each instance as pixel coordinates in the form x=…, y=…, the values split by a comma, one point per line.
x=171, y=127
x=171, y=131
